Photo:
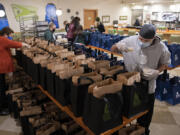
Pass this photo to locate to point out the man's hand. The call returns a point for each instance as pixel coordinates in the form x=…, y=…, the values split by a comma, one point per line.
x=122, y=48
x=149, y=74
x=162, y=68
x=114, y=48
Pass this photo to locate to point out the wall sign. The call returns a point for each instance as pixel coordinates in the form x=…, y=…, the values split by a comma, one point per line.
x=106, y=19
x=123, y=18
x=77, y=13
x=68, y=10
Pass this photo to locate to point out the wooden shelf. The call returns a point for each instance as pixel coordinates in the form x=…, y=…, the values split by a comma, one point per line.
x=106, y=51
x=80, y=121
x=170, y=68
x=120, y=55
x=68, y=111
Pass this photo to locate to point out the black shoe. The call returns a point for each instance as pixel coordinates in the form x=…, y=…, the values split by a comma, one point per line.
x=4, y=112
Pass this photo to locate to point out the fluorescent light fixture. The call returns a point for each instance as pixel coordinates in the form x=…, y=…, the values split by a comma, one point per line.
x=146, y=7
x=137, y=7
x=2, y=13
x=157, y=8
x=125, y=9
x=59, y=12
x=172, y=7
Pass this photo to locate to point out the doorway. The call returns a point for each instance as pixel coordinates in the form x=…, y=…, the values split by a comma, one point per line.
x=137, y=14
x=89, y=18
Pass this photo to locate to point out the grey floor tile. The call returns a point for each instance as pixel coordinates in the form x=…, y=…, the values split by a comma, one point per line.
x=161, y=104
x=164, y=117
x=164, y=129
x=9, y=124
x=176, y=117
x=3, y=118
x=8, y=133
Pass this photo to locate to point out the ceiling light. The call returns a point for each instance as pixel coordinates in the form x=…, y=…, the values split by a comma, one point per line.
x=2, y=13
x=145, y=7
x=172, y=7
x=137, y=7
x=125, y=8
x=59, y=12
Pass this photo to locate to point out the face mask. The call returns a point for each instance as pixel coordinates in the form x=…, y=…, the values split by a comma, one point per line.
x=10, y=38
x=144, y=45
x=53, y=30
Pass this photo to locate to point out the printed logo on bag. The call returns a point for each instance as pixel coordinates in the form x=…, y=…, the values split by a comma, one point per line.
x=106, y=115
x=165, y=91
x=176, y=57
x=177, y=95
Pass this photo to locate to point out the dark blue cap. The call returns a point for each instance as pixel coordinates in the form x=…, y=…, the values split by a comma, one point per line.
x=148, y=31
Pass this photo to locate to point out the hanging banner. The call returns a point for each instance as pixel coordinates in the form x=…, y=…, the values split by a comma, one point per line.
x=51, y=14
x=25, y=11
x=3, y=17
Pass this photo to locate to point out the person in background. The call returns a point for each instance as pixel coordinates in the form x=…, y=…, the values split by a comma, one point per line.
x=66, y=26
x=49, y=34
x=72, y=28
x=99, y=25
x=6, y=64
x=79, y=35
x=146, y=54
x=137, y=23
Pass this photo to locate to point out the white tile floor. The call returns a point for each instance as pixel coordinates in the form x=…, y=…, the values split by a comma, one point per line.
x=166, y=121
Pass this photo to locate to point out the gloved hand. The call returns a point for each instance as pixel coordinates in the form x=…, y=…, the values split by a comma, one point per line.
x=10, y=76
x=25, y=45
x=121, y=48
x=150, y=74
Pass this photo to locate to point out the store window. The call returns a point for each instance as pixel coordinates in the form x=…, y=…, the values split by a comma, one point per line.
x=51, y=15
x=3, y=17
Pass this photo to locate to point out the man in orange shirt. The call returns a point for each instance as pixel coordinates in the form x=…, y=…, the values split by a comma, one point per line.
x=6, y=64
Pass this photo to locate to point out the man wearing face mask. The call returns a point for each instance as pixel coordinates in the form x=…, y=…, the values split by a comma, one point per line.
x=49, y=34
x=146, y=54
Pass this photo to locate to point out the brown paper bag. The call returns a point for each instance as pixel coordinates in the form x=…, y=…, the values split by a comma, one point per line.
x=76, y=57
x=66, y=54
x=58, y=52
x=96, y=65
x=38, y=58
x=71, y=71
x=60, y=66
x=111, y=71
x=94, y=76
x=85, y=61
x=129, y=78
x=108, y=86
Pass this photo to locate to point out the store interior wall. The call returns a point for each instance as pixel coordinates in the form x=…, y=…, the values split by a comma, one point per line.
x=40, y=4
x=112, y=8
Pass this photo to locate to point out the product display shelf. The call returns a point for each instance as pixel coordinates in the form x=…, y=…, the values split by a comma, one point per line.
x=80, y=121
x=41, y=27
